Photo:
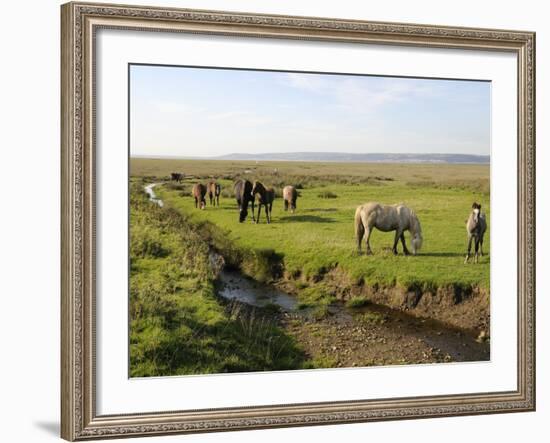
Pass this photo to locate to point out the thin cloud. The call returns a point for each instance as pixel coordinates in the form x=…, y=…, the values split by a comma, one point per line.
x=361, y=93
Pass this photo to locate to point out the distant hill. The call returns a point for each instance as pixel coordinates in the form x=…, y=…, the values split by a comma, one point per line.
x=348, y=157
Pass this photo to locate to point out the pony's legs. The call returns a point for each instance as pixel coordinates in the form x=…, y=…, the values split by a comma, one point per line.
x=253, y=219
x=405, y=250
x=286, y=205
x=368, y=224
x=359, y=233
x=481, y=245
x=395, y=240
x=470, y=238
x=196, y=202
x=368, y=232
x=270, y=208
x=399, y=235
x=259, y=210
x=476, y=256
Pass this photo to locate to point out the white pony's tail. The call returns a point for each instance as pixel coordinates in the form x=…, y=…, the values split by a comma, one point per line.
x=359, y=227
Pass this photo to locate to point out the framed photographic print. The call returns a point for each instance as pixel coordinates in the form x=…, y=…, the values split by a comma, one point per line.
x=283, y=221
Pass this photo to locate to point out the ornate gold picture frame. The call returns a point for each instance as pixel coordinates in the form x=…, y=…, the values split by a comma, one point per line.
x=80, y=22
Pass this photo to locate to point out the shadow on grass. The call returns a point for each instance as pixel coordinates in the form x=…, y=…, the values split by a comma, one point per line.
x=323, y=209
x=388, y=251
x=442, y=254
x=306, y=218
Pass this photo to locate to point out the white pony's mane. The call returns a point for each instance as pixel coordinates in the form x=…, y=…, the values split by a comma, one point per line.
x=416, y=231
x=415, y=223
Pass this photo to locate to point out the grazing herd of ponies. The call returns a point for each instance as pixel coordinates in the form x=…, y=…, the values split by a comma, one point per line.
x=386, y=218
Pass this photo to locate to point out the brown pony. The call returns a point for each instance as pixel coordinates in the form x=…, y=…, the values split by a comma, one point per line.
x=214, y=190
x=289, y=196
x=243, y=195
x=199, y=191
x=176, y=176
x=265, y=198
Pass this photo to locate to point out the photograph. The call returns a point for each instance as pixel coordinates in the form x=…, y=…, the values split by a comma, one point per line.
x=277, y=218
x=289, y=220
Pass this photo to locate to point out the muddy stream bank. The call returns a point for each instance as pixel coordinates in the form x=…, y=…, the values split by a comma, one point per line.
x=357, y=336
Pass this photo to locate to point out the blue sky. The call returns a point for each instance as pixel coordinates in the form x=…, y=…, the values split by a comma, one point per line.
x=178, y=111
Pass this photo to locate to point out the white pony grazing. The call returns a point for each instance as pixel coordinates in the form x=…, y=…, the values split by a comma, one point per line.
x=386, y=218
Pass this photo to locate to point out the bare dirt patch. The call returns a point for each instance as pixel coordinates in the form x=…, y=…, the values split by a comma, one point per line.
x=376, y=336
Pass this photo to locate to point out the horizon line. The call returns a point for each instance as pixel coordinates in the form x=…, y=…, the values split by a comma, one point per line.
x=310, y=153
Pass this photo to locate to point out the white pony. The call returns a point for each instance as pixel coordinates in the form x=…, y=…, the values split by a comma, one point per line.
x=386, y=218
x=476, y=225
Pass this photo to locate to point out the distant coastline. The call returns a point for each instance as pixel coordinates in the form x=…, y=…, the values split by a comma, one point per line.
x=338, y=157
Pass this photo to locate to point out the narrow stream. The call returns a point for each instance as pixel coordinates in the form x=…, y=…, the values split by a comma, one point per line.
x=152, y=195
x=237, y=287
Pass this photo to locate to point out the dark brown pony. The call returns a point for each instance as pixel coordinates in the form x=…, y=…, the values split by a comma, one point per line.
x=243, y=194
x=265, y=198
x=176, y=176
x=199, y=191
x=214, y=190
x=476, y=225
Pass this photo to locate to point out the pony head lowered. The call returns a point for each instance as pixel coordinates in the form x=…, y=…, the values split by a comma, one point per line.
x=416, y=233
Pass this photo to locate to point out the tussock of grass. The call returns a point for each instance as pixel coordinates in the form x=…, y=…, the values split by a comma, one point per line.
x=322, y=362
x=372, y=318
x=320, y=312
x=357, y=302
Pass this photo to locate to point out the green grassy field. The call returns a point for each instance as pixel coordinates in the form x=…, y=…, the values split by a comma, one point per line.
x=319, y=237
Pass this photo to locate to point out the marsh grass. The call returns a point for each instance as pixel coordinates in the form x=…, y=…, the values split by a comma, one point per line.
x=305, y=175
x=177, y=323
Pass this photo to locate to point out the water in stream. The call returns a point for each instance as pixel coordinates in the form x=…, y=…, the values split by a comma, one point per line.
x=237, y=287
x=152, y=196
